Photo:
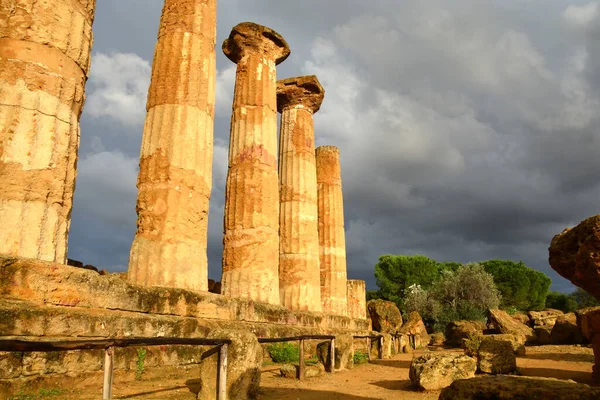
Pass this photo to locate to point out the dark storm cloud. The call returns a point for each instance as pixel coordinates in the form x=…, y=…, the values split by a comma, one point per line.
x=467, y=129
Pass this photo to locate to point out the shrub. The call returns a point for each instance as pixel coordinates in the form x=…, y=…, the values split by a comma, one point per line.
x=360, y=357
x=472, y=344
x=284, y=352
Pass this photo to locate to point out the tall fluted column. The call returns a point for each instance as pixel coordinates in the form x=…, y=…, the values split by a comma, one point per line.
x=357, y=299
x=175, y=176
x=251, y=223
x=44, y=64
x=332, y=237
x=299, y=277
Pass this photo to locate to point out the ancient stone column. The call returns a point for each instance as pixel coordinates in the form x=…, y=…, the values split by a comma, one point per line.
x=357, y=299
x=251, y=223
x=175, y=176
x=44, y=65
x=332, y=237
x=299, y=275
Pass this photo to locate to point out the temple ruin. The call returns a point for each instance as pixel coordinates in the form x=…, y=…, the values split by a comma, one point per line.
x=299, y=275
x=275, y=283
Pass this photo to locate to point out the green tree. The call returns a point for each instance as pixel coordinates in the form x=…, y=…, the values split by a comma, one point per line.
x=373, y=295
x=395, y=274
x=561, y=301
x=584, y=299
x=521, y=287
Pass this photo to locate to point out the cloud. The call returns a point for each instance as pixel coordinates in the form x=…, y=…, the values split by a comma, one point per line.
x=118, y=88
x=580, y=16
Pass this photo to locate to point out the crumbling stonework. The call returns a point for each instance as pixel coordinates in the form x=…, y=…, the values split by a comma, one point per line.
x=332, y=236
x=44, y=65
x=175, y=176
x=575, y=255
x=299, y=275
x=357, y=299
x=251, y=242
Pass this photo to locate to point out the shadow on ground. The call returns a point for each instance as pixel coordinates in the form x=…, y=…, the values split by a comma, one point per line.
x=142, y=395
x=392, y=363
x=577, y=376
x=405, y=386
x=561, y=357
x=306, y=394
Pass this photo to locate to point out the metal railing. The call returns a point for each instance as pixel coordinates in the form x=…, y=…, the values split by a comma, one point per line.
x=301, y=339
x=108, y=345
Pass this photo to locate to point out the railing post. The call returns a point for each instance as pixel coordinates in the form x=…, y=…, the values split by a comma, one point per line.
x=369, y=348
x=332, y=356
x=301, y=360
x=381, y=347
x=109, y=360
x=222, y=374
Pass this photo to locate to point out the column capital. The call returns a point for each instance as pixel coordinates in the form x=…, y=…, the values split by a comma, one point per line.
x=301, y=90
x=250, y=37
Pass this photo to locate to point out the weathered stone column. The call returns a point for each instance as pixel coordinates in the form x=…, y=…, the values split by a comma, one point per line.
x=332, y=237
x=299, y=275
x=251, y=223
x=44, y=65
x=357, y=299
x=175, y=176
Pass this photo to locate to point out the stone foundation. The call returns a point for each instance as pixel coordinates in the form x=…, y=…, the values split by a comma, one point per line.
x=44, y=299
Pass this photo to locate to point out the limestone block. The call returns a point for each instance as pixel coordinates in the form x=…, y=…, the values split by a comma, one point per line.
x=502, y=387
x=385, y=316
x=434, y=371
x=344, y=353
x=244, y=359
x=496, y=356
x=415, y=326
x=356, y=295
x=456, y=331
x=503, y=323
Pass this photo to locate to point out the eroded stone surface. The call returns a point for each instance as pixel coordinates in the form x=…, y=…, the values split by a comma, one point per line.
x=357, y=299
x=385, y=316
x=299, y=274
x=175, y=178
x=456, y=331
x=251, y=242
x=244, y=359
x=435, y=371
x=496, y=356
x=332, y=236
x=517, y=387
x=503, y=323
x=575, y=255
x=588, y=321
x=344, y=353
x=415, y=326
x=44, y=64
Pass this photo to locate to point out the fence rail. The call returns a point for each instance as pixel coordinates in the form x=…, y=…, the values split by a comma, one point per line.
x=108, y=345
x=301, y=339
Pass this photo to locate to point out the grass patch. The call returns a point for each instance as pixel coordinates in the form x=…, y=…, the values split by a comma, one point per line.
x=360, y=357
x=284, y=353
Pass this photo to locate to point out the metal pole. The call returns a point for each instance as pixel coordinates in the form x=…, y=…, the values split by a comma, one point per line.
x=109, y=360
x=301, y=361
x=332, y=356
x=222, y=376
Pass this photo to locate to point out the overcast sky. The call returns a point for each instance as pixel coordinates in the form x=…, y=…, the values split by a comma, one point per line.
x=467, y=128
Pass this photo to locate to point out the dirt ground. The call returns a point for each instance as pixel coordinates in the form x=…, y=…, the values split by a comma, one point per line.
x=380, y=379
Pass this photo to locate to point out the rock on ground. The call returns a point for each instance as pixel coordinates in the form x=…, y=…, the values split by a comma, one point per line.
x=289, y=371
x=437, y=339
x=385, y=316
x=500, y=387
x=344, y=352
x=496, y=356
x=545, y=318
x=517, y=342
x=415, y=326
x=504, y=323
x=575, y=255
x=434, y=371
x=458, y=330
x=566, y=331
x=588, y=320
x=543, y=334
x=244, y=359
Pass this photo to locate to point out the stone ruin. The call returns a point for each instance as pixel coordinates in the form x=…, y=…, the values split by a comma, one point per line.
x=284, y=258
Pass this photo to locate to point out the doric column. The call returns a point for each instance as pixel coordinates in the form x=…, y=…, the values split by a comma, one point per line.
x=332, y=237
x=357, y=299
x=251, y=242
x=44, y=64
x=175, y=176
x=299, y=277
